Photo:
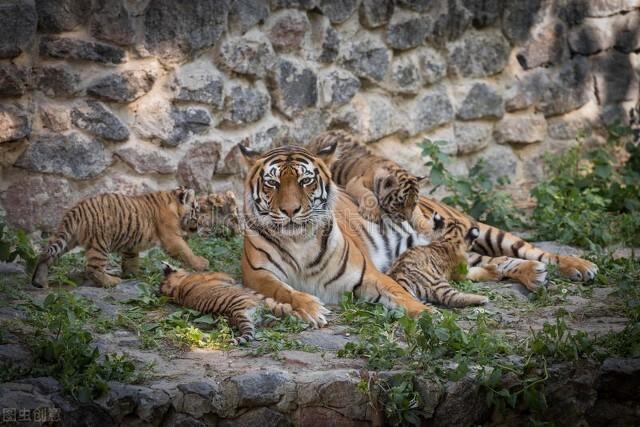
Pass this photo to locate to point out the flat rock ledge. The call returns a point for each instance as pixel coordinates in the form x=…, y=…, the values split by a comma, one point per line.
x=238, y=388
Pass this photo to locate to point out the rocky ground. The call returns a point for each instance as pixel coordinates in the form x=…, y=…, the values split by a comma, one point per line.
x=307, y=383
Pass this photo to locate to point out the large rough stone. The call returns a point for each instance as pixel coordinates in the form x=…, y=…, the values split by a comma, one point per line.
x=600, y=8
x=472, y=136
x=482, y=101
x=49, y=197
x=433, y=66
x=618, y=378
x=56, y=16
x=13, y=80
x=260, y=388
x=367, y=57
x=519, y=17
x=261, y=417
x=67, y=48
x=463, y=404
x=375, y=13
x=591, y=37
x=197, y=397
x=186, y=122
x=114, y=22
x=527, y=91
x=96, y=119
x=244, y=14
x=567, y=88
x=308, y=124
x=124, y=400
x=297, y=4
x=57, y=81
x=14, y=123
x=245, y=103
x=567, y=128
x=325, y=39
x=405, y=75
x=177, y=29
x=250, y=54
x=407, y=30
x=500, y=160
x=478, y=54
x=287, y=29
x=147, y=160
x=295, y=86
x=371, y=116
x=417, y=5
x=54, y=117
x=18, y=21
x=484, y=12
x=122, y=87
x=71, y=155
x=182, y=420
x=336, y=390
x=546, y=46
x=429, y=109
x=523, y=129
x=199, y=81
x=615, y=78
x=337, y=87
x=448, y=20
x=337, y=10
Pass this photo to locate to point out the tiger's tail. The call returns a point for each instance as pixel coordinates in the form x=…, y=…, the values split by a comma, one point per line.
x=58, y=245
x=445, y=294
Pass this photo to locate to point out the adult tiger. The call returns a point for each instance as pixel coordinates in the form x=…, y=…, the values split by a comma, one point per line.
x=514, y=258
x=305, y=240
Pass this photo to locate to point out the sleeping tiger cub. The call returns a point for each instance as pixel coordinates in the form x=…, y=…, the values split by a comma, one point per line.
x=127, y=225
x=218, y=293
x=378, y=185
x=425, y=271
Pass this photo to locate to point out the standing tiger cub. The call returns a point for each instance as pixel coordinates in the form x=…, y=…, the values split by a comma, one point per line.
x=425, y=271
x=126, y=225
x=218, y=293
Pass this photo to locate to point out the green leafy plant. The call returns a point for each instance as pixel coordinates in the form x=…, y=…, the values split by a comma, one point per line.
x=475, y=194
x=15, y=244
x=592, y=195
x=64, y=349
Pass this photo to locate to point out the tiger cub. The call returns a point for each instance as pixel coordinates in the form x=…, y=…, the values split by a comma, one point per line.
x=425, y=271
x=218, y=293
x=218, y=214
x=378, y=185
x=127, y=225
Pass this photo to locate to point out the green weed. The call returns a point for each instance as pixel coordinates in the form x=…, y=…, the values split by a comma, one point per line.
x=475, y=194
x=15, y=245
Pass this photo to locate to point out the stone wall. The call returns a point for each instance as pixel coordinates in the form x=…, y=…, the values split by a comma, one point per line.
x=135, y=95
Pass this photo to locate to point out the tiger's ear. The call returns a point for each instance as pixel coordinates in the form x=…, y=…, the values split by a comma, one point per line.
x=185, y=195
x=250, y=155
x=327, y=153
x=167, y=268
x=422, y=179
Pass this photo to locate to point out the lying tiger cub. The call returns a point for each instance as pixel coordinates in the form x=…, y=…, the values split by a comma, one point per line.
x=218, y=293
x=125, y=224
x=425, y=271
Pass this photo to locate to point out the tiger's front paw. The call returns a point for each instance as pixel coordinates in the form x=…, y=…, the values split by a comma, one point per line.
x=200, y=263
x=577, y=269
x=532, y=274
x=370, y=213
x=309, y=309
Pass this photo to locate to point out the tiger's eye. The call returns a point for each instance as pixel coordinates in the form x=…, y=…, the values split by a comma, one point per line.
x=306, y=181
x=272, y=183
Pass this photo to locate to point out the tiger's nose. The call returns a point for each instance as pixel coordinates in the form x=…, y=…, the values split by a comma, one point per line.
x=290, y=210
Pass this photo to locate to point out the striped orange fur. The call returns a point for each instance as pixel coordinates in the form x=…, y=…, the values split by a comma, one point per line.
x=127, y=225
x=219, y=294
x=425, y=271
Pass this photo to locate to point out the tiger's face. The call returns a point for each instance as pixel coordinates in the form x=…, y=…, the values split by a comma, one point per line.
x=397, y=192
x=188, y=209
x=458, y=233
x=288, y=189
